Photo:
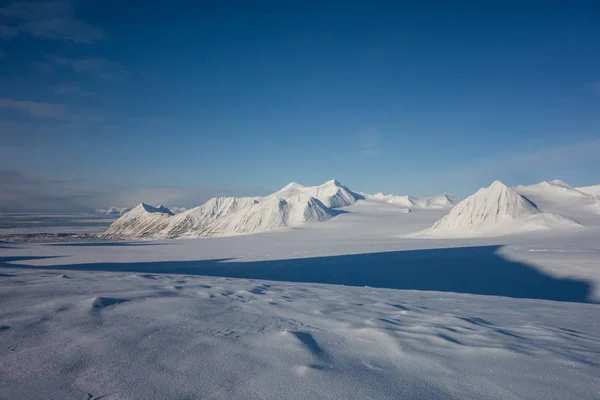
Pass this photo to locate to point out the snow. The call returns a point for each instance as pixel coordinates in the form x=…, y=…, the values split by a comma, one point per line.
x=559, y=197
x=140, y=221
x=496, y=211
x=592, y=190
x=332, y=194
x=293, y=206
x=343, y=309
x=439, y=201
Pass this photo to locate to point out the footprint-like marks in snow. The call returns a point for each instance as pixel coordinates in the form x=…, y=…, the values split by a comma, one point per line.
x=477, y=321
x=148, y=276
x=309, y=343
x=399, y=306
x=448, y=338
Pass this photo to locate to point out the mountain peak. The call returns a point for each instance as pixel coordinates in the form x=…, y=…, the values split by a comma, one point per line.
x=333, y=182
x=151, y=209
x=498, y=185
x=292, y=185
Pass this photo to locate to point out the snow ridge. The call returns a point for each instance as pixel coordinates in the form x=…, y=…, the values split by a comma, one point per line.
x=293, y=206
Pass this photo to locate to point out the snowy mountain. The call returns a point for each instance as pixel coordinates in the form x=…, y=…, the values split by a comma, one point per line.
x=436, y=202
x=141, y=221
x=495, y=211
x=293, y=206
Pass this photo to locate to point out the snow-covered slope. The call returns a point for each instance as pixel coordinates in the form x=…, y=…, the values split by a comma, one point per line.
x=438, y=202
x=141, y=221
x=230, y=216
x=559, y=197
x=555, y=189
x=495, y=211
x=292, y=206
x=593, y=190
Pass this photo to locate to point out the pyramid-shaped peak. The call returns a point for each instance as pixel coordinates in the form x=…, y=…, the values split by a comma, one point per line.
x=498, y=185
x=292, y=185
x=333, y=182
x=151, y=209
x=488, y=207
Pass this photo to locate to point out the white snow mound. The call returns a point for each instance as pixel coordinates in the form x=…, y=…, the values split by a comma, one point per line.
x=495, y=211
x=591, y=190
x=555, y=189
x=441, y=201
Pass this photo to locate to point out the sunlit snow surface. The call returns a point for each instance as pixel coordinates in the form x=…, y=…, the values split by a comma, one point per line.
x=348, y=308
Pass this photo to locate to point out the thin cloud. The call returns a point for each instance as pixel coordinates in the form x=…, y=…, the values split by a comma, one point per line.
x=19, y=193
x=36, y=109
x=50, y=111
x=596, y=87
x=99, y=67
x=74, y=90
x=2, y=54
x=369, y=143
x=53, y=19
x=526, y=167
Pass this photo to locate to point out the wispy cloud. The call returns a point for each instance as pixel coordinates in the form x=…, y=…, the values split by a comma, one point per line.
x=368, y=142
x=596, y=87
x=53, y=19
x=19, y=193
x=74, y=90
x=36, y=109
x=50, y=111
x=527, y=167
x=99, y=67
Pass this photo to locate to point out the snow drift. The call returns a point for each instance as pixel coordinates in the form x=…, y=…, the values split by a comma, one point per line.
x=559, y=197
x=555, y=189
x=293, y=206
x=495, y=211
x=591, y=190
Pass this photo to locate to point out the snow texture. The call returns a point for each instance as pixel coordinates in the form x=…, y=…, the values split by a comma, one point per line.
x=350, y=308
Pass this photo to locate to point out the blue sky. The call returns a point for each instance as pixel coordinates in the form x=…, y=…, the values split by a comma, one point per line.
x=107, y=101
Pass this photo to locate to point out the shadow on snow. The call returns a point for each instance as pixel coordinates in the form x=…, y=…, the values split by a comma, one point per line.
x=475, y=270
